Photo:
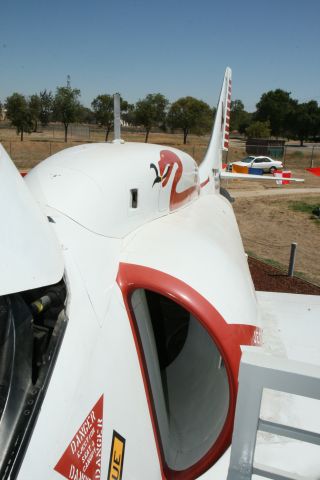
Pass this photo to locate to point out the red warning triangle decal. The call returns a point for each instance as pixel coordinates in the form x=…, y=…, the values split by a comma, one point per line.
x=82, y=458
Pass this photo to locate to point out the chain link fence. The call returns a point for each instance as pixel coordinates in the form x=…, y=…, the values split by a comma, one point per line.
x=293, y=156
x=49, y=140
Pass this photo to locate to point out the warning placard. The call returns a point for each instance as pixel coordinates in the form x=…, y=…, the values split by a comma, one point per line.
x=116, y=457
x=82, y=458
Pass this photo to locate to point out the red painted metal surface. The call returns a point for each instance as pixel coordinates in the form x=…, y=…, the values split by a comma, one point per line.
x=227, y=337
x=314, y=171
x=167, y=160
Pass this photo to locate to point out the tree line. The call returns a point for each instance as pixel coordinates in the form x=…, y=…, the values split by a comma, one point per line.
x=277, y=114
x=154, y=111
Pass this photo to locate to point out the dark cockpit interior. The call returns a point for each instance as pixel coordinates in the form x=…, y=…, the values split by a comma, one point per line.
x=32, y=324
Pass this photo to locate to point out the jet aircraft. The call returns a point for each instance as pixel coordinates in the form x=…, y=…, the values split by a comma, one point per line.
x=126, y=302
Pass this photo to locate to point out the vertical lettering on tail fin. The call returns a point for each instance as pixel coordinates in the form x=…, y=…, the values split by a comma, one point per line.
x=116, y=457
x=211, y=164
x=82, y=459
x=227, y=118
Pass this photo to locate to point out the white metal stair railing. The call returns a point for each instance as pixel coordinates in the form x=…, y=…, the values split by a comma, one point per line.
x=259, y=371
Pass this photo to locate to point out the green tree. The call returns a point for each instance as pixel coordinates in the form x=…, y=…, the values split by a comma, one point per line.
x=127, y=111
x=240, y=119
x=35, y=110
x=191, y=116
x=103, y=110
x=314, y=110
x=245, y=122
x=258, y=130
x=151, y=112
x=236, y=112
x=66, y=107
x=304, y=121
x=46, y=102
x=86, y=115
x=18, y=112
x=274, y=106
x=102, y=107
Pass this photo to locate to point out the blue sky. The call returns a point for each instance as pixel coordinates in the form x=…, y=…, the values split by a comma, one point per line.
x=174, y=47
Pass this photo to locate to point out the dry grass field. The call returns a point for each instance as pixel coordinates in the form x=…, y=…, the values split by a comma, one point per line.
x=38, y=146
x=268, y=225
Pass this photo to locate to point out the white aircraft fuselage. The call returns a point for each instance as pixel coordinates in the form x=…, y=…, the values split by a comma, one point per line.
x=126, y=301
x=113, y=252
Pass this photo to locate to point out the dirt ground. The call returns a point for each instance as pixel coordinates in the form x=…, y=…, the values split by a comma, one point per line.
x=270, y=279
x=268, y=226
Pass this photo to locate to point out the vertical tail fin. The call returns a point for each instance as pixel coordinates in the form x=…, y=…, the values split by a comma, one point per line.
x=212, y=163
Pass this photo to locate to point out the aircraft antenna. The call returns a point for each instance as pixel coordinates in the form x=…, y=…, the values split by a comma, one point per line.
x=117, y=121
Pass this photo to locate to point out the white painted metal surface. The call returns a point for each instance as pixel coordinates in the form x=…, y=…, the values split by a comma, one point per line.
x=280, y=376
x=30, y=254
x=93, y=360
x=204, y=261
x=134, y=209
x=248, y=176
x=116, y=116
x=220, y=134
x=91, y=184
x=291, y=330
x=93, y=259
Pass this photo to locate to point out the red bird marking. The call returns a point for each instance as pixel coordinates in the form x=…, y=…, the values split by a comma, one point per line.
x=166, y=163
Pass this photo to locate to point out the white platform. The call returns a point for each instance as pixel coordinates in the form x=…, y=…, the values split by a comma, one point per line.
x=291, y=330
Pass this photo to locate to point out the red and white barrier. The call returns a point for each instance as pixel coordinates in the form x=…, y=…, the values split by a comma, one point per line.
x=283, y=174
